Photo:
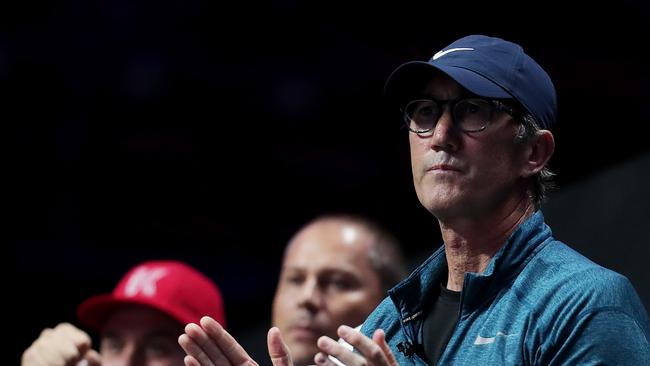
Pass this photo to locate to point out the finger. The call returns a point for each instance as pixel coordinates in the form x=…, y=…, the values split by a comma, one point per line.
x=330, y=347
x=73, y=342
x=191, y=361
x=322, y=359
x=278, y=350
x=45, y=349
x=75, y=335
x=55, y=349
x=190, y=344
x=364, y=345
x=234, y=352
x=93, y=358
x=379, y=337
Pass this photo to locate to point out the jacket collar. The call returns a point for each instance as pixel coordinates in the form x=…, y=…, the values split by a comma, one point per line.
x=414, y=295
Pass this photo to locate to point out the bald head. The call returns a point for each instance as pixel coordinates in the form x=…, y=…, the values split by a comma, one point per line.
x=330, y=276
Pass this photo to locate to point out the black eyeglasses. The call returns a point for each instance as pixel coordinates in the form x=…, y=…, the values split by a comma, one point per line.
x=468, y=114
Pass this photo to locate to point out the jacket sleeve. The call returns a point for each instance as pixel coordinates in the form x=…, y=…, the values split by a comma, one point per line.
x=606, y=336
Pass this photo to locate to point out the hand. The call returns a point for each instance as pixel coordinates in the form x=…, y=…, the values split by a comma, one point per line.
x=65, y=345
x=208, y=344
x=374, y=352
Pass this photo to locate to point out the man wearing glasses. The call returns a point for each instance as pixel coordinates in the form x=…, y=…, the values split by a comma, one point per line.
x=501, y=290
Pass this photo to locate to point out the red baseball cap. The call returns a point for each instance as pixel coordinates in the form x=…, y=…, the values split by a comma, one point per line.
x=171, y=287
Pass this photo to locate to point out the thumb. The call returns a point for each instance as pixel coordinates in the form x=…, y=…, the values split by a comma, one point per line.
x=92, y=358
x=278, y=350
x=379, y=337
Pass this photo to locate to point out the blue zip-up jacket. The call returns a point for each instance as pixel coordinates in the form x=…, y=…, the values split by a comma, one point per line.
x=538, y=302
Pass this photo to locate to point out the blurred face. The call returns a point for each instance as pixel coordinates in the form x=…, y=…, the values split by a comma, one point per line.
x=326, y=281
x=465, y=174
x=137, y=335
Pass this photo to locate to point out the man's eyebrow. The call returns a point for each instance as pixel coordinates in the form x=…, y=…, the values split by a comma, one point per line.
x=325, y=270
x=339, y=271
x=293, y=268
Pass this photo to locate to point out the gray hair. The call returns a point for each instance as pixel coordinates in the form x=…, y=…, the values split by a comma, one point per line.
x=543, y=181
x=386, y=257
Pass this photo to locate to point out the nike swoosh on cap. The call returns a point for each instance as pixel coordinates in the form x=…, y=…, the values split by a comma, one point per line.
x=442, y=53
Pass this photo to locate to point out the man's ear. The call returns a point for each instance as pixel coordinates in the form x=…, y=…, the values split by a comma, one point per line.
x=538, y=152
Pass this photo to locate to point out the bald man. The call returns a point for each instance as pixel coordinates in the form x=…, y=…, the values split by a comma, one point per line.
x=335, y=271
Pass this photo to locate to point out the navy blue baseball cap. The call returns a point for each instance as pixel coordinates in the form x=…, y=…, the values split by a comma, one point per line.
x=486, y=66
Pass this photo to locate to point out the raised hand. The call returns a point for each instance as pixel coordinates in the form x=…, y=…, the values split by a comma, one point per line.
x=208, y=344
x=64, y=345
x=373, y=352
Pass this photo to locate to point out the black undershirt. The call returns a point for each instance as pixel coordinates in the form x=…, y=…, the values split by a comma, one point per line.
x=440, y=323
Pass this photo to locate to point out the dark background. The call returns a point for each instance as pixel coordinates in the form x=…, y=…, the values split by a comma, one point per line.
x=211, y=131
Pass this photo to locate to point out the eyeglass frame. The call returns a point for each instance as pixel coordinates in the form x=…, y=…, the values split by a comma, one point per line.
x=497, y=105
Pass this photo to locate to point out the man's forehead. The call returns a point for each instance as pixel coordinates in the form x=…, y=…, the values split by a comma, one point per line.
x=331, y=233
x=341, y=244
x=329, y=245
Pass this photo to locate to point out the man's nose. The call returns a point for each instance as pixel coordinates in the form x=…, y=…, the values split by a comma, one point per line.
x=310, y=294
x=132, y=355
x=445, y=135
